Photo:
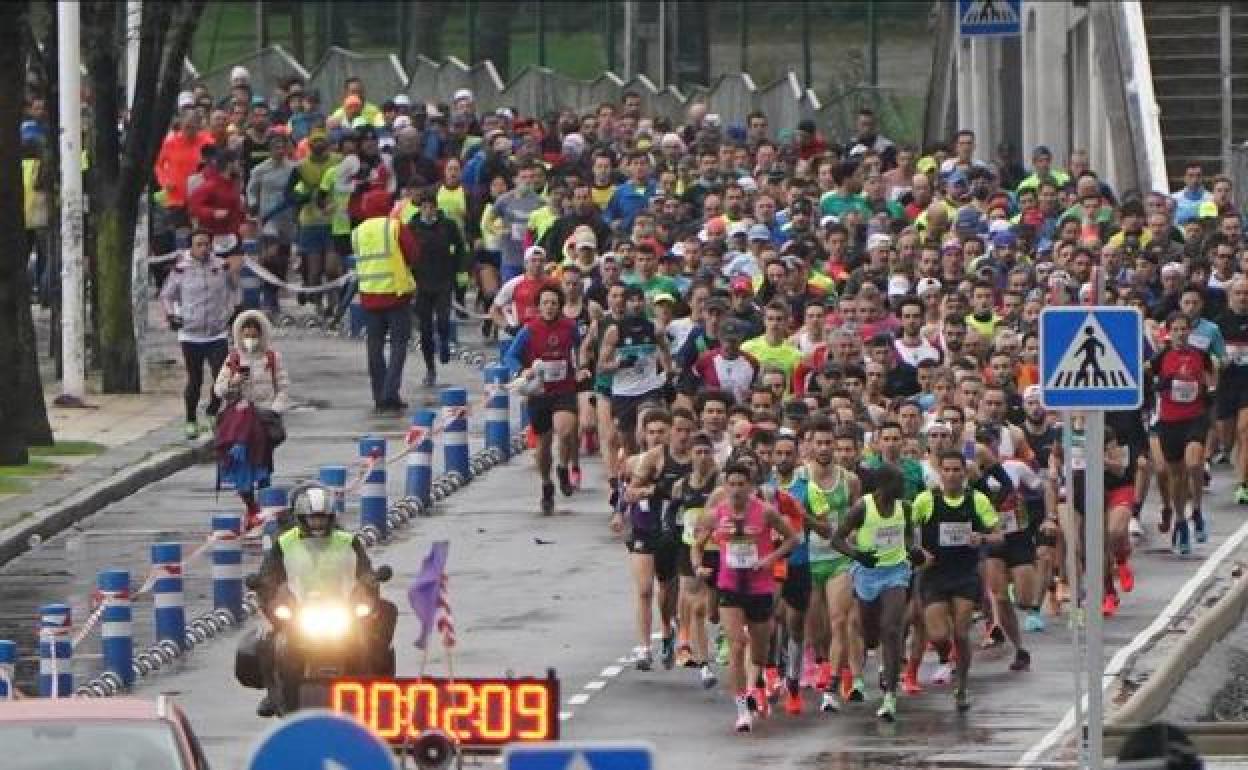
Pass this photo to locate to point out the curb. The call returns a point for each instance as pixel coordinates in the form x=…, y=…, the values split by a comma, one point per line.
x=1147, y=702
x=52, y=520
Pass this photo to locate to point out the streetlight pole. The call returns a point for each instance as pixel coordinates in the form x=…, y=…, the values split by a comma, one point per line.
x=69, y=83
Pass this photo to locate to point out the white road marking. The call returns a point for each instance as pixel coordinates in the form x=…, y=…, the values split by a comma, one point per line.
x=597, y=684
x=625, y=660
x=611, y=671
x=1159, y=624
x=579, y=699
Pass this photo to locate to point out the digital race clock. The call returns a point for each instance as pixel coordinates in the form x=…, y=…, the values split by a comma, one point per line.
x=481, y=714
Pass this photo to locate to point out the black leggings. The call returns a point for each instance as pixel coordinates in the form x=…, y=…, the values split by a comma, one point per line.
x=195, y=354
x=431, y=304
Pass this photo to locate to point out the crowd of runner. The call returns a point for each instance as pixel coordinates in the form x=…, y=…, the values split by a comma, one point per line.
x=809, y=366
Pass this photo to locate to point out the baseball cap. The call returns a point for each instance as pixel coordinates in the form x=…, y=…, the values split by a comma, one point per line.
x=1041, y=151
x=1004, y=239
x=738, y=228
x=759, y=233
x=742, y=284
x=927, y=285
x=402, y=100
x=584, y=237
x=956, y=178
x=462, y=94
x=733, y=328
x=898, y=286
x=747, y=184
x=830, y=219
x=969, y=218
x=981, y=262
x=925, y=165
x=1031, y=392
x=879, y=241
x=663, y=297
x=1172, y=268
x=402, y=122
x=186, y=99
x=535, y=251
x=240, y=73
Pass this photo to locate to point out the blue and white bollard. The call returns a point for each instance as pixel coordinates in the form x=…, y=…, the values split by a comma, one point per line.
x=455, y=458
x=420, y=460
x=116, y=632
x=56, y=651
x=334, y=478
x=8, y=664
x=273, y=503
x=373, y=492
x=169, y=611
x=498, y=410
x=227, y=564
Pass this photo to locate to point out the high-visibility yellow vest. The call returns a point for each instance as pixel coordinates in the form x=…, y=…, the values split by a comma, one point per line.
x=379, y=265
x=324, y=565
x=35, y=202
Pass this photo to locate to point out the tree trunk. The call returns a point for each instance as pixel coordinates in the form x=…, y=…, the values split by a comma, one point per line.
x=494, y=27
x=12, y=239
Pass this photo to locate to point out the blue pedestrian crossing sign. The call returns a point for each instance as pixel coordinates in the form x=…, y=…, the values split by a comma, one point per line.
x=578, y=756
x=320, y=740
x=1091, y=358
x=990, y=18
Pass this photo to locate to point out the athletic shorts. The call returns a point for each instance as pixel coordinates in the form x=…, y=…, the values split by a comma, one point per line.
x=758, y=608
x=314, y=239
x=585, y=386
x=665, y=550
x=1175, y=437
x=823, y=571
x=1019, y=549
x=870, y=582
x=1118, y=497
x=542, y=410
x=796, y=588
x=624, y=409
x=1232, y=396
x=710, y=560
x=684, y=560
x=937, y=587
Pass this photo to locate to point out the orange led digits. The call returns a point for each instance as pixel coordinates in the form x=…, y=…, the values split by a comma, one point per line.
x=483, y=714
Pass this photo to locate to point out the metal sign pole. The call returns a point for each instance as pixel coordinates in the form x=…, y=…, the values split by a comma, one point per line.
x=1094, y=516
x=1073, y=582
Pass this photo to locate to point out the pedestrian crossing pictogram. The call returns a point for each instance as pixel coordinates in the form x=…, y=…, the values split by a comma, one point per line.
x=989, y=18
x=1091, y=358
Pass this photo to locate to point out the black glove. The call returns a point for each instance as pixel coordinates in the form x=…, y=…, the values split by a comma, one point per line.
x=175, y=322
x=917, y=556
x=865, y=558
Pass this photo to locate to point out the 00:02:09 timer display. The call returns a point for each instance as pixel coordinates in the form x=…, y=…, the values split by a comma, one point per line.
x=476, y=712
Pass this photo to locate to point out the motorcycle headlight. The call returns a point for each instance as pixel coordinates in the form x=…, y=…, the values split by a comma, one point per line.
x=325, y=621
x=363, y=610
x=283, y=612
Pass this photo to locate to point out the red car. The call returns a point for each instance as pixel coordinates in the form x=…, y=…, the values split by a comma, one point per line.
x=97, y=734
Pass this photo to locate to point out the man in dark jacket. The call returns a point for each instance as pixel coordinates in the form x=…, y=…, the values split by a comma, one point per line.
x=583, y=212
x=444, y=261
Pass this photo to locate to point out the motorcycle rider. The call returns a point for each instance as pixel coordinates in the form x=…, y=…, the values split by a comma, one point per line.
x=316, y=553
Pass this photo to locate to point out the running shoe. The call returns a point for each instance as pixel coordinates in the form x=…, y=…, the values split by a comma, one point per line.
x=1109, y=605
x=961, y=700
x=721, y=650
x=888, y=708
x=745, y=722
x=191, y=431
x=1181, y=541
x=1241, y=494
x=857, y=693
x=943, y=674
x=708, y=677
x=643, y=659
x=830, y=704
x=1126, y=576
x=910, y=682
x=1137, y=532
x=994, y=638
x=1021, y=662
x=565, y=481
x=793, y=701
x=548, y=499
x=1199, y=526
x=1033, y=621
x=1167, y=515
x=668, y=653
x=575, y=475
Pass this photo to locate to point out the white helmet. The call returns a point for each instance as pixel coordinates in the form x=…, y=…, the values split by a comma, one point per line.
x=313, y=499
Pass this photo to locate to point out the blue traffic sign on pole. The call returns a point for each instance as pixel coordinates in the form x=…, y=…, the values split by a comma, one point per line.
x=571, y=755
x=1091, y=358
x=990, y=18
x=320, y=740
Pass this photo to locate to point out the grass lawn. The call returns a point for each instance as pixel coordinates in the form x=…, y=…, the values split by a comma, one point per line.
x=68, y=449
x=33, y=468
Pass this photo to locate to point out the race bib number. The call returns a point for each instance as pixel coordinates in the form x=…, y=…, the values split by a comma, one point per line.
x=1184, y=391
x=888, y=537
x=552, y=371
x=955, y=533
x=1009, y=521
x=742, y=554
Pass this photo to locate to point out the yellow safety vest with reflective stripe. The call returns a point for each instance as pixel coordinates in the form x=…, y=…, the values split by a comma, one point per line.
x=379, y=265
x=324, y=565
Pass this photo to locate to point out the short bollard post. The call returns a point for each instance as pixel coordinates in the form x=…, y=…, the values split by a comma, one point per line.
x=373, y=491
x=334, y=478
x=273, y=504
x=116, y=633
x=227, y=564
x=455, y=458
x=497, y=410
x=169, y=610
x=8, y=665
x=420, y=459
x=56, y=651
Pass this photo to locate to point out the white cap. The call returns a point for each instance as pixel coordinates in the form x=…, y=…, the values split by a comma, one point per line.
x=185, y=99
x=402, y=122
x=927, y=285
x=432, y=111
x=879, y=241
x=711, y=119
x=535, y=251
x=1172, y=268
x=738, y=228
x=402, y=100
x=898, y=286
x=462, y=94
x=240, y=73
x=747, y=184
x=830, y=219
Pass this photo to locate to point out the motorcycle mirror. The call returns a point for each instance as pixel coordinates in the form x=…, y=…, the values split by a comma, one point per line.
x=433, y=750
x=383, y=573
x=252, y=581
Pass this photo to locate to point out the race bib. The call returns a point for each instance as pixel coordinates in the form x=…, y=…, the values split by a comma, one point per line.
x=742, y=554
x=1199, y=341
x=889, y=537
x=1184, y=391
x=955, y=533
x=224, y=244
x=821, y=548
x=518, y=230
x=552, y=371
x=1237, y=354
x=1009, y=521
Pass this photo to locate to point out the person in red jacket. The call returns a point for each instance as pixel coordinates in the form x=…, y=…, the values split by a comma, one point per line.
x=178, y=159
x=216, y=205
